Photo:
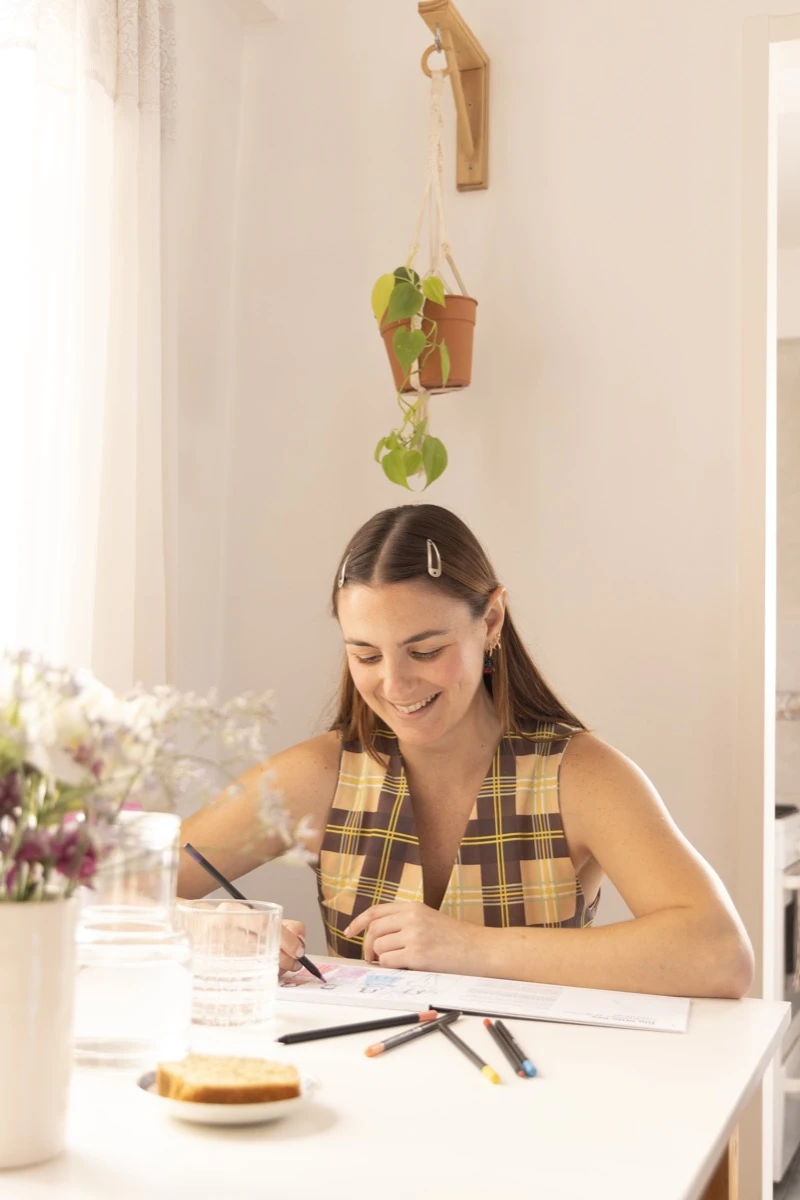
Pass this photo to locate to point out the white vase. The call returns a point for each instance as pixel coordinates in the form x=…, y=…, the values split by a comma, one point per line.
x=37, y=982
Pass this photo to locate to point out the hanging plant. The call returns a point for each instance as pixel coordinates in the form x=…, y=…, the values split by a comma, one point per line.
x=427, y=331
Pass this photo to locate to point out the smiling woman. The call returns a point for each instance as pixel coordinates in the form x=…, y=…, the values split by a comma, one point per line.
x=464, y=816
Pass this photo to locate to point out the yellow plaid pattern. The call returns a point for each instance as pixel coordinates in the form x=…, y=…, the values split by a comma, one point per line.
x=513, y=866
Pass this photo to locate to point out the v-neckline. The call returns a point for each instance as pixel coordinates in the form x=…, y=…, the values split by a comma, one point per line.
x=407, y=812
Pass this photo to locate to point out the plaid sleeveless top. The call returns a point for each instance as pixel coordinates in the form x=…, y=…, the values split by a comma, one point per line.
x=512, y=868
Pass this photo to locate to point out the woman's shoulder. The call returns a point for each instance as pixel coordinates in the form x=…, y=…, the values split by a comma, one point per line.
x=595, y=777
x=315, y=757
x=590, y=755
x=305, y=774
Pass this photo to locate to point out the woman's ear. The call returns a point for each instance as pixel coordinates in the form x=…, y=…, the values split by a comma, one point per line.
x=495, y=614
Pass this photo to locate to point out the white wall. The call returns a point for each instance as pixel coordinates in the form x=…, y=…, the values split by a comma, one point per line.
x=596, y=453
x=787, y=747
x=787, y=99
x=787, y=733
x=788, y=291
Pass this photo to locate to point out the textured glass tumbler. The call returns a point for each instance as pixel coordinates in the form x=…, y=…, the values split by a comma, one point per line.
x=235, y=951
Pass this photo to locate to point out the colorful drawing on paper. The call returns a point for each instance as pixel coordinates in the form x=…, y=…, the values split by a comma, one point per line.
x=304, y=978
x=365, y=981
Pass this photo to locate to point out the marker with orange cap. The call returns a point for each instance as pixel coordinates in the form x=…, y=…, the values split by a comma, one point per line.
x=400, y=1039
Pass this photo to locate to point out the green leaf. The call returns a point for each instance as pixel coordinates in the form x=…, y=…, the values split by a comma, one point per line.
x=405, y=301
x=391, y=442
x=412, y=463
x=394, y=467
x=408, y=345
x=445, y=357
x=381, y=444
x=434, y=289
x=380, y=295
x=408, y=274
x=419, y=434
x=434, y=458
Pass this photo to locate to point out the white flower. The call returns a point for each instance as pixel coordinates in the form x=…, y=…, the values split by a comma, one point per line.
x=87, y=750
x=55, y=731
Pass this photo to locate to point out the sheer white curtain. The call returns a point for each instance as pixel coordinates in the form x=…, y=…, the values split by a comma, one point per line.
x=87, y=330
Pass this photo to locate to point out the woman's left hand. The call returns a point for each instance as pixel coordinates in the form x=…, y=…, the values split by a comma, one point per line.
x=412, y=935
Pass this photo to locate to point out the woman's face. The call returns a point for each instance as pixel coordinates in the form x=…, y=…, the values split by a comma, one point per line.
x=415, y=655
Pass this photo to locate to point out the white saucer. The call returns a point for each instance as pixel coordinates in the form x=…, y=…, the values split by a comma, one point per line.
x=227, y=1114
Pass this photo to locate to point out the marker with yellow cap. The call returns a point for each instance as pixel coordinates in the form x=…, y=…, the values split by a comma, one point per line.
x=483, y=1067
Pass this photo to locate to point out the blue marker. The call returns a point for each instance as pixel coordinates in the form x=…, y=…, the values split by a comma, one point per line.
x=515, y=1055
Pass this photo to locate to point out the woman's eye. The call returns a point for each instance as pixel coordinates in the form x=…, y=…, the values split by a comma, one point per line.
x=367, y=661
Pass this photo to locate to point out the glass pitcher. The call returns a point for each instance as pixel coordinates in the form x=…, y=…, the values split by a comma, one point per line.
x=133, y=989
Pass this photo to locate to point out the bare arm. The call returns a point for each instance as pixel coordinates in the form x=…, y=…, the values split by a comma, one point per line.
x=230, y=831
x=686, y=937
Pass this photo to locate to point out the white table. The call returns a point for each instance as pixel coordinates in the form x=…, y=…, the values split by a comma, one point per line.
x=613, y=1114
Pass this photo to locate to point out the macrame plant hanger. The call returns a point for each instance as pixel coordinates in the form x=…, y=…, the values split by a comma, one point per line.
x=440, y=250
x=427, y=321
x=468, y=71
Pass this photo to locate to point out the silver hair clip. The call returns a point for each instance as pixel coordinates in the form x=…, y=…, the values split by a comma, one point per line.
x=344, y=568
x=434, y=570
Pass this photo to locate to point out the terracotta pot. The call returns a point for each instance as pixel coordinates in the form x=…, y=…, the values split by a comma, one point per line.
x=455, y=325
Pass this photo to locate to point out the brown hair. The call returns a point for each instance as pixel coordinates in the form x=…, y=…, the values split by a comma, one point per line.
x=392, y=548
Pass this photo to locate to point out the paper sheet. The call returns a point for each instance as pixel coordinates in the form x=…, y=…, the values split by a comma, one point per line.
x=415, y=991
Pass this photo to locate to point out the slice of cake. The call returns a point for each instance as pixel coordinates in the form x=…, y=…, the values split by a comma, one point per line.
x=222, y=1079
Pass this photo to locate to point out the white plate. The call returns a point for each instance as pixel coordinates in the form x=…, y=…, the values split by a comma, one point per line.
x=227, y=1114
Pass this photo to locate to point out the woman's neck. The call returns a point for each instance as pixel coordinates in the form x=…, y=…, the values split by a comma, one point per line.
x=465, y=748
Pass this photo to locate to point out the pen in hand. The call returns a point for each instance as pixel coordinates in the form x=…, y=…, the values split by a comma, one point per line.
x=237, y=895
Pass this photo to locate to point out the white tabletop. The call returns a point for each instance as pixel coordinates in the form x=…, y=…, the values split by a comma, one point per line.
x=615, y=1114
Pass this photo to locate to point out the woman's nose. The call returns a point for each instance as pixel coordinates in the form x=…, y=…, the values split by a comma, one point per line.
x=397, y=678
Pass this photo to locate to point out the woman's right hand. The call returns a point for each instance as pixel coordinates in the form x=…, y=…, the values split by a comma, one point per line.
x=238, y=939
x=293, y=945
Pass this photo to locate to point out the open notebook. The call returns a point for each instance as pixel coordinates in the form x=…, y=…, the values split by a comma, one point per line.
x=415, y=991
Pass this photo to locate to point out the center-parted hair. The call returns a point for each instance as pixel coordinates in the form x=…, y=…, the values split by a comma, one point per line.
x=392, y=547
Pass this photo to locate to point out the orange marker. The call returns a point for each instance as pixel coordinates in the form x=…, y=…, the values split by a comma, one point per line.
x=401, y=1038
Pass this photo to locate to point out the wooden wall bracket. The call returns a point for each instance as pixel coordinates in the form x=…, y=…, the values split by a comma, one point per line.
x=468, y=68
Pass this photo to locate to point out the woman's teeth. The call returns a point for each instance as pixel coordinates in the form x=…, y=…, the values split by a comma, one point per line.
x=412, y=708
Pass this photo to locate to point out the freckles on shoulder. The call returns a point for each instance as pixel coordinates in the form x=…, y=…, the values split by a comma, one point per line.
x=601, y=789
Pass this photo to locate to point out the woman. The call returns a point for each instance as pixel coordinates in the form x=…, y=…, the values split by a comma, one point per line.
x=464, y=817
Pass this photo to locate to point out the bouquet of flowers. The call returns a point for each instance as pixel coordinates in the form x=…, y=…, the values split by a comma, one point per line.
x=72, y=753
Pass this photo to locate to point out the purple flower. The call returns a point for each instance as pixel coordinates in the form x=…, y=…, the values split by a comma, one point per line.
x=9, y=794
x=75, y=855
x=69, y=850
x=85, y=757
x=36, y=847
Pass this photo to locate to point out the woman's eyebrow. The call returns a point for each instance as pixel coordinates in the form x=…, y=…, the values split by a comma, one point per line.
x=417, y=637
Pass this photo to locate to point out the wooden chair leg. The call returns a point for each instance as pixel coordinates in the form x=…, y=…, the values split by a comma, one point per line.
x=724, y=1183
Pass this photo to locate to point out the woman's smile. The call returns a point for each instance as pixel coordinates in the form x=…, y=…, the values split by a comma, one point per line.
x=412, y=710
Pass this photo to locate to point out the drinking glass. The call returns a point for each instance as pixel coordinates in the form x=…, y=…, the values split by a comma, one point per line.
x=235, y=951
x=133, y=986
